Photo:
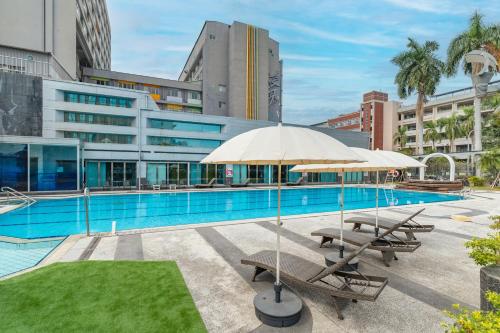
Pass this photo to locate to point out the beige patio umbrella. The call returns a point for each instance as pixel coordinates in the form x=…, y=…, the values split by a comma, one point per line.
x=374, y=162
x=281, y=145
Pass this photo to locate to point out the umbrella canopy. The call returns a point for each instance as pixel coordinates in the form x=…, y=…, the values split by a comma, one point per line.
x=282, y=145
x=375, y=161
x=403, y=160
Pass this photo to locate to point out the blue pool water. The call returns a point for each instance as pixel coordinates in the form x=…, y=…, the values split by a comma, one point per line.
x=64, y=217
x=17, y=257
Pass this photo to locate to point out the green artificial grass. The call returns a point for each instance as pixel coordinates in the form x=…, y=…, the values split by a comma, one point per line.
x=99, y=296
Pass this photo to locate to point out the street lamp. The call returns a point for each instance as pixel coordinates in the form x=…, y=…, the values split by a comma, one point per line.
x=484, y=66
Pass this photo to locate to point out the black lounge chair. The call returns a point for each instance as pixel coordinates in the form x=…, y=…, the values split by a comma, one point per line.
x=298, y=182
x=207, y=185
x=387, y=243
x=352, y=285
x=409, y=228
x=244, y=184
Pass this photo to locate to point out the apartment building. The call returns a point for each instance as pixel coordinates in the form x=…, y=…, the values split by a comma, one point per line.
x=54, y=38
x=240, y=70
x=441, y=106
x=108, y=136
x=347, y=122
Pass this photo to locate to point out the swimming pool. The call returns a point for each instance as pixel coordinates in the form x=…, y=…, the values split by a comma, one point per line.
x=62, y=217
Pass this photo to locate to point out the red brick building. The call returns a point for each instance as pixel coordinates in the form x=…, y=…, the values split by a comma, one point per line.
x=350, y=121
x=372, y=117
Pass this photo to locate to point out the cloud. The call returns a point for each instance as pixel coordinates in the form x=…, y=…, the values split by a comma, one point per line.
x=420, y=5
x=367, y=39
x=302, y=57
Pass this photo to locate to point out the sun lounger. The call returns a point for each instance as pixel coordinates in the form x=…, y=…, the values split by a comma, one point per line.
x=326, y=280
x=244, y=184
x=409, y=228
x=387, y=243
x=207, y=185
x=298, y=182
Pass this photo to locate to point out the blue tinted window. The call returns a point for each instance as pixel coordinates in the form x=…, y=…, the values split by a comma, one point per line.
x=184, y=126
x=94, y=99
x=100, y=137
x=183, y=142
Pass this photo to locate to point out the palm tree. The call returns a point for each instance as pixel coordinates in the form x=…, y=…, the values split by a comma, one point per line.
x=490, y=162
x=478, y=35
x=467, y=124
x=432, y=133
x=451, y=129
x=419, y=71
x=400, y=137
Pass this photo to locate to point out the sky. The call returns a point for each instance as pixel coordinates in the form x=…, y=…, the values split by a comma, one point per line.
x=332, y=51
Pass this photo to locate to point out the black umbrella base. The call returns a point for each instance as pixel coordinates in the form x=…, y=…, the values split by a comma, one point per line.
x=334, y=257
x=283, y=314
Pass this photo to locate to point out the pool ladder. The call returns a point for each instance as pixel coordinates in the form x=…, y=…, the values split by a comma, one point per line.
x=25, y=200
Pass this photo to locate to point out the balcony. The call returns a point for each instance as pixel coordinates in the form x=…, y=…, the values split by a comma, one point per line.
x=25, y=66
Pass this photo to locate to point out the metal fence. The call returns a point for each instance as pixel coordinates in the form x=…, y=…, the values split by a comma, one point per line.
x=24, y=66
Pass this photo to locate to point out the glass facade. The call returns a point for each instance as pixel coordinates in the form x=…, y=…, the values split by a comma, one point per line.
x=204, y=173
x=37, y=167
x=14, y=166
x=99, y=119
x=167, y=173
x=110, y=174
x=74, y=97
x=182, y=142
x=184, y=126
x=100, y=137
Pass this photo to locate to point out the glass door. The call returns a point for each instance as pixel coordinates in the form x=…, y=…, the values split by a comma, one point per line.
x=118, y=173
x=183, y=174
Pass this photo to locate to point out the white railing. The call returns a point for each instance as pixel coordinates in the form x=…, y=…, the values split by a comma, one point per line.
x=24, y=66
x=26, y=200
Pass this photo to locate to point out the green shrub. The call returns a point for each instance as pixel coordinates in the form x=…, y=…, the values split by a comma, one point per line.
x=476, y=181
x=486, y=251
x=467, y=321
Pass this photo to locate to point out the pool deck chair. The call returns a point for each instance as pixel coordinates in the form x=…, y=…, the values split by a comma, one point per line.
x=207, y=185
x=387, y=243
x=331, y=281
x=244, y=184
x=298, y=182
x=409, y=228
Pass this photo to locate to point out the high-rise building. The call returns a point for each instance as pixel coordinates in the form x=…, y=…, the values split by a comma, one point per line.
x=240, y=70
x=54, y=38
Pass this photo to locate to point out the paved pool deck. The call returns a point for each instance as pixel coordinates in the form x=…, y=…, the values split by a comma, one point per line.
x=421, y=284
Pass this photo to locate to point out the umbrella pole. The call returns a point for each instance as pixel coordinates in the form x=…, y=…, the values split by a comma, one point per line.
x=376, y=209
x=277, y=284
x=341, y=247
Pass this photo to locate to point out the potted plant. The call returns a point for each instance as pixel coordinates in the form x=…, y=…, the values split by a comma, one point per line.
x=486, y=253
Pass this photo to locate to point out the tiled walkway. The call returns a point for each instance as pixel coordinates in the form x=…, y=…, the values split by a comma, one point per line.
x=15, y=257
x=421, y=284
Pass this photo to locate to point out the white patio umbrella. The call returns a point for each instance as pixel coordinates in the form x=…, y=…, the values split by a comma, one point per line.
x=281, y=145
x=374, y=162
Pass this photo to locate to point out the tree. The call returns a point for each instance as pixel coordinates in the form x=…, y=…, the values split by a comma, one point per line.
x=432, y=133
x=491, y=130
x=490, y=162
x=419, y=71
x=467, y=124
x=478, y=35
x=451, y=129
x=400, y=137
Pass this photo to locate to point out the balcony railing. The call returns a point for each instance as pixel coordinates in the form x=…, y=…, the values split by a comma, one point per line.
x=24, y=66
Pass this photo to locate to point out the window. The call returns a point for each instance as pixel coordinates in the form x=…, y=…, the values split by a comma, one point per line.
x=194, y=95
x=99, y=119
x=172, y=92
x=222, y=105
x=99, y=137
x=102, y=82
x=212, y=36
x=222, y=88
x=126, y=85
x=183, y=142
x=184, y=126
x=99, y=100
